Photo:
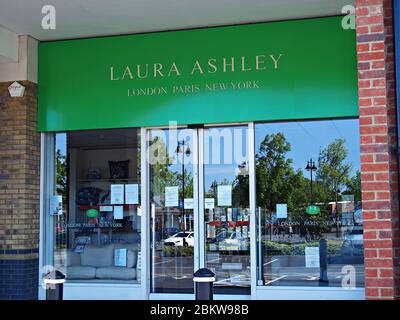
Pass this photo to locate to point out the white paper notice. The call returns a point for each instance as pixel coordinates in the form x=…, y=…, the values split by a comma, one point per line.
x=120, y=257
x=312, y=257
x=225, y=196
x=209, y=203
x=132, y=194
x=281, y=211
x=117, y=194
x=118, y=212
x=106, y=208
x=188, y=203
x=56, y=207
x=171, y=196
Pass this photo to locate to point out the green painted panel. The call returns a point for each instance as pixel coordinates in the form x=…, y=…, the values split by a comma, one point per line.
x=282, y=70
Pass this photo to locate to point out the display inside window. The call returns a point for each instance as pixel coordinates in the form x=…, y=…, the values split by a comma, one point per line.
x=309, y=211
x=98, y=233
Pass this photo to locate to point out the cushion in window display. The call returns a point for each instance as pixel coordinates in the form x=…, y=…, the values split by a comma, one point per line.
x=131, y=259
x=81, y=272
x=119, y=169
x=128, y=246
x=93, y=174
x=73, y=258
x=88, y=196
x=98, y=263
x=116, y=273
x=98, y=256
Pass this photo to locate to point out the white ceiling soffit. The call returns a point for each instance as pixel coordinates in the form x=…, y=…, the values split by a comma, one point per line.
x=87, y=18
x=8, y=46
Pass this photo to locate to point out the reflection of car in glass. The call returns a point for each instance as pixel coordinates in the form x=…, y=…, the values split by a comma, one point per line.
x=218, y=238
x=234, y=242
x=181, y=239
x=353, y=244
x=168, y=232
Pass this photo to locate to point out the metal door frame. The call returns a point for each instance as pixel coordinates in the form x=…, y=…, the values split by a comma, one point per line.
x=198, y=210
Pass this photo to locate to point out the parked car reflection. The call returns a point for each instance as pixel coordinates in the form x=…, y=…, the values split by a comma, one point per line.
x=235, y=242
x=180, y=239
x=353, y=244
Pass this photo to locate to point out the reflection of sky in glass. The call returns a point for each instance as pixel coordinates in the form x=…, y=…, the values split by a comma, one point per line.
x=228, y=169
x=213, y=170
x=308, y=137
x=170, y=141
x=61, y=143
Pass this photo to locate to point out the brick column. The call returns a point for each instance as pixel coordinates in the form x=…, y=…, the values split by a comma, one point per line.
x=379, y=160
x=19, y=193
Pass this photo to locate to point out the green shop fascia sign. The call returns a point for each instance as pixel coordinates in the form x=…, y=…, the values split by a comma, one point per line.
x=266, y=71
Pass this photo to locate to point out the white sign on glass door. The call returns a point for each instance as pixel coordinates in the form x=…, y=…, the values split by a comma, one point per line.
x=171, y=196
x=225, y=196
x=209, y=203
x=132, y=194
x=312, y=257
x=188, y=203
x=117, y=194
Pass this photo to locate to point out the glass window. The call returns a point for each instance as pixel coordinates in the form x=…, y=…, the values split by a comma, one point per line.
x=97, y=227
x=309, y=216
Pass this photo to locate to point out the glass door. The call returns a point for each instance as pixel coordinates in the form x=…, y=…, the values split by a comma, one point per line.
x=171, y=158
x=199, y=209
x=226, y=207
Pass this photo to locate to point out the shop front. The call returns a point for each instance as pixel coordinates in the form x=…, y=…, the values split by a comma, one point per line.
x=233, y=148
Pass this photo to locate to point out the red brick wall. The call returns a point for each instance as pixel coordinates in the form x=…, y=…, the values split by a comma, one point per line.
x=378, y=133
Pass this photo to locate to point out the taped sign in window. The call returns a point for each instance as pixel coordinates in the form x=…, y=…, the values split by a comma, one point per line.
x=56, y=205
x=312, y=257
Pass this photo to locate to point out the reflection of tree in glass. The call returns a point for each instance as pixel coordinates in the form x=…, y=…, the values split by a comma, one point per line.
x=188, y=183
x=240, y=191
x=161, y=174
x=332, y=170
x=278, y=182
x=61, y=174
x=61, y=189
x=353, y=186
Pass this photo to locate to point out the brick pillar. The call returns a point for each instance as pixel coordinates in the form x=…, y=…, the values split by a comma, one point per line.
x=379, y=161
x=19, y=193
